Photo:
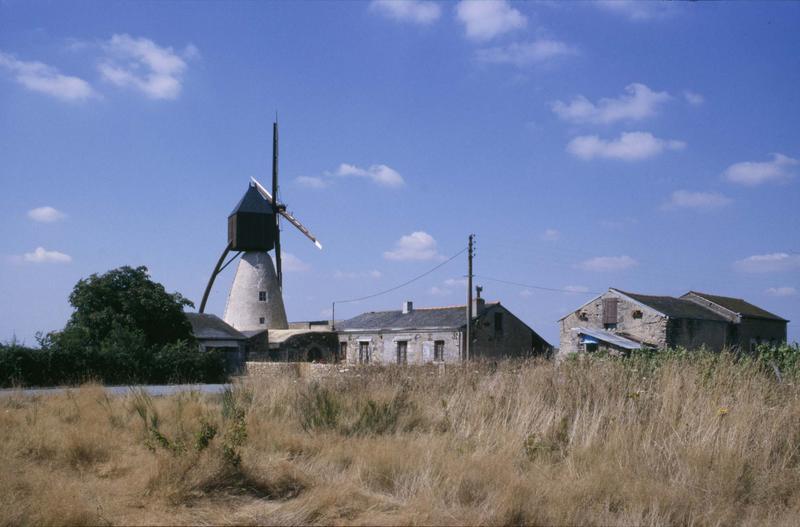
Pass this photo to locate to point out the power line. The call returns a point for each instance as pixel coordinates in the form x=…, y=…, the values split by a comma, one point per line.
x=395, y=288
x=538, y=286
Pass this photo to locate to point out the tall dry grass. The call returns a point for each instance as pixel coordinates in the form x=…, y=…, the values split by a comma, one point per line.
x=704, y=441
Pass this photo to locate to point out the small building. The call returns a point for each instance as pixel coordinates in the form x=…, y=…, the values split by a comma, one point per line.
x=619, y=321
x=211, y=332
x=436, y=335
x=749, y=325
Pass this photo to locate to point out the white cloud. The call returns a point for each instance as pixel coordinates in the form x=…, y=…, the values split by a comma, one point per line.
x=142, y=64
x=781, y=291
x=631, y=146
x=415, y=11
x=46, y=214
x=485, y=19
x=418, y=245
x=608, y=263
x=314, y=182
x=292, y=264
x=551, y=235
x=695, y=99
x=768, y=263
x=753, y=173
x=456, y=282
x=576, y=289
x=522, y=54
x=637, y=10
x=42, y=255
x=379, y=174
x=684, y=199
x=639, y=102
x=42, y=78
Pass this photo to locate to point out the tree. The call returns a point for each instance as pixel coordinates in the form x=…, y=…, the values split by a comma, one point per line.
x=126, y=301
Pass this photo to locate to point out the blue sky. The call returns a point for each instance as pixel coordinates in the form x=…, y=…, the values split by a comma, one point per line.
x=648, y=147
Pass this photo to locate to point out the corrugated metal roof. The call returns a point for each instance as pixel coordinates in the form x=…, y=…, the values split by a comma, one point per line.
x=737, y=305
x=419, y=318
x=611, y=338
x=210, y=327
x=675, y=307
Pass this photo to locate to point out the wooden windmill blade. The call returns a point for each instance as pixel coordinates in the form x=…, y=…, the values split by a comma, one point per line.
x=291, y=219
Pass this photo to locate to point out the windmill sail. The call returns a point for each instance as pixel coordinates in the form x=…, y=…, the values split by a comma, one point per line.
x=291, y=219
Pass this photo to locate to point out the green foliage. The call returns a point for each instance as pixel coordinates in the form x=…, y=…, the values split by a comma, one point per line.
x=381, y=417
x=319, y=409
x=126, y=298
x=234, y=412
x=125, y=329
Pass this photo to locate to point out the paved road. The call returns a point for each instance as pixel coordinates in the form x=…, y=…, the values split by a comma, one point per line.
x=152, y=389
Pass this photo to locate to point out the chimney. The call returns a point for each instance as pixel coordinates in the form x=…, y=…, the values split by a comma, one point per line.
x=408, y=307
x=478, y=303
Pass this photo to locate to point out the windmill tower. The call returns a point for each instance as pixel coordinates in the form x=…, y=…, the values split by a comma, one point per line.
x=255, y=301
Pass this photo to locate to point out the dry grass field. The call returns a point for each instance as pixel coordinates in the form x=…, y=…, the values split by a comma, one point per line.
x=594, y=442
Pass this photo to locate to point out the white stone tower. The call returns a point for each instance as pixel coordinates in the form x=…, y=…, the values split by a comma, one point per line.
x=255, y=301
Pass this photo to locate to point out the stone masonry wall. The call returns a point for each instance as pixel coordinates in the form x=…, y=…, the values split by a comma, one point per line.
x=514, y=341
x=650, y=327
x=420, y=346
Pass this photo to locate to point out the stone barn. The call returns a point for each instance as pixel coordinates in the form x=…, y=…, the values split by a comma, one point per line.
x=749, y=325
x=618, y=321
x=436, y=335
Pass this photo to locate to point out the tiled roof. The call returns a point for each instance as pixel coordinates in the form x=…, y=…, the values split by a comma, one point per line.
x=675, y=307
x=737, y=305
x=210, y=327
x=418, y=318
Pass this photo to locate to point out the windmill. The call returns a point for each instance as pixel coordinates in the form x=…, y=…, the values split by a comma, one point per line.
x=256, y=298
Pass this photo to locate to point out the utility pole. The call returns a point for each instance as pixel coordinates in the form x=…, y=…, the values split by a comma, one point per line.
x=275, y=204
x=468, y=343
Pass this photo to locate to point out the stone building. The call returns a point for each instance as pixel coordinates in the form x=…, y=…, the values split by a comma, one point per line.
x=435, y=335
x=618, y=321
x=211, y=332
x=749, y=325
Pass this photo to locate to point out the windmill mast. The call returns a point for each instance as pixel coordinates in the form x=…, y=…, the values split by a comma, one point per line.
x=275, y=205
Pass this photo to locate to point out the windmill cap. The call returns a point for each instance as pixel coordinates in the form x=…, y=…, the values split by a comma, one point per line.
x=253, y=202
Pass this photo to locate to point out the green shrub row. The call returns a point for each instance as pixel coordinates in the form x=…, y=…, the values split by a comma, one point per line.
x=54, y=364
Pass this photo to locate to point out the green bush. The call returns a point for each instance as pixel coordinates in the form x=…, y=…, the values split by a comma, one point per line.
x=125, y=329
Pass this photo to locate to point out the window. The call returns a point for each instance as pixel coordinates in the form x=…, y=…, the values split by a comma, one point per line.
x=438, y=350
x=498, y=323
x=610, y=318
x=402, y=352
x=261, y=320
x=343, y=351
x=363, y=352
x=262, y=296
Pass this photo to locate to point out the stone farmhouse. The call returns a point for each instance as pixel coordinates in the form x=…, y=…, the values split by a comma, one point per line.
x=436, y=335
x=405, y=336
x=618, y=321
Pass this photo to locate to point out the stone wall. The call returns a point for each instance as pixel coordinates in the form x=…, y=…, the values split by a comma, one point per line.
x=759, y=331
x=693, y=334
x=640, y=323
x=419, y=345
x=514, y=340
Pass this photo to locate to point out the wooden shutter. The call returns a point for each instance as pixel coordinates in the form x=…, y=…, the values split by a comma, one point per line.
x=609, y=311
